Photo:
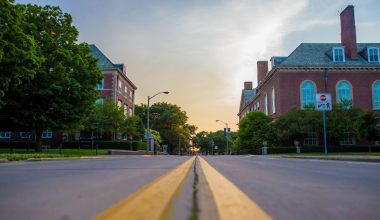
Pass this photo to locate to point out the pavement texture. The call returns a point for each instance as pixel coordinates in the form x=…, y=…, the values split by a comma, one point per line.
x=210, y=187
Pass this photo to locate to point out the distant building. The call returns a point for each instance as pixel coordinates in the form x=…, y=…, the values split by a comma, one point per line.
x=351, y=70
x=115, y=84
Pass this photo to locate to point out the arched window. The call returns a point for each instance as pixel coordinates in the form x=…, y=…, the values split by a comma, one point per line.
x=376, y=95
x=307, y=94
x=343, y=90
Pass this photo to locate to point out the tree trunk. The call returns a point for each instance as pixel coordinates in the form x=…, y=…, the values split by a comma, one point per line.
x=38, y=133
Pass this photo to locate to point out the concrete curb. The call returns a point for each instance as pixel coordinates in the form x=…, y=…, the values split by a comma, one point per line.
x=374, y=159
x=65, y=158
x=3, y=160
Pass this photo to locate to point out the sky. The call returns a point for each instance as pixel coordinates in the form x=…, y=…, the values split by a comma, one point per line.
x=202, y=51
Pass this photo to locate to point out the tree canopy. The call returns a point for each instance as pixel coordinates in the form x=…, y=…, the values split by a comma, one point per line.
x=62, y=91
x=170, y=121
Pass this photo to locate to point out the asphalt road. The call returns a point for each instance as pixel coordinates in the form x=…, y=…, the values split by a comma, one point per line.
x=74, y=189
x=305, y=189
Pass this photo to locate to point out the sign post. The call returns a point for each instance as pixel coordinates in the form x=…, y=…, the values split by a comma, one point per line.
x=323, y=103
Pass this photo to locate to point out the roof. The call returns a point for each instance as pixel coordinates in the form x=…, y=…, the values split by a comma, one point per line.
x=103, y=61
x=248, y=95
x=320, y=54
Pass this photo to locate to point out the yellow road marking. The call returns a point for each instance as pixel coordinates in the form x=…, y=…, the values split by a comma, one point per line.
x=153, y=200
x=230, y=201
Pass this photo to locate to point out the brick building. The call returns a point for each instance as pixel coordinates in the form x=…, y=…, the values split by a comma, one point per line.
x=348, y=70
x=115, y=84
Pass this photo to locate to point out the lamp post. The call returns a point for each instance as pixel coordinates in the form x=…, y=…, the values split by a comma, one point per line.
x=226, y=134
x=148, y=135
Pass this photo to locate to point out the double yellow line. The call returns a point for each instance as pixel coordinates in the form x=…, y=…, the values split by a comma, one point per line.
x=153, y=201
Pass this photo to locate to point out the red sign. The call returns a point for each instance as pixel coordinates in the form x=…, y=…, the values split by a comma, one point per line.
x=323, y=98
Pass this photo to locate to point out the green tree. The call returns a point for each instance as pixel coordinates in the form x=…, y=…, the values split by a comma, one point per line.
x=62, y=91
x=170, y=121
x=368, y=127
x=18, y=51
x=297, y=124
x=134, y=127
x=254, y=128
x=107, y=117
x=343, y=121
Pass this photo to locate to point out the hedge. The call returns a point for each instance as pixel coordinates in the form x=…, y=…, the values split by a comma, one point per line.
x=317, y=149
x=117, y=145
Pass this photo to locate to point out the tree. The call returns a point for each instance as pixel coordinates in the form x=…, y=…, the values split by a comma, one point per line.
x=297, y=124
x=18, y=51
x=343, y=121
x=253, y=130
x=107, y=117
x=368, y=127
x=134, y=127
x=170, y=121
x=62, y=91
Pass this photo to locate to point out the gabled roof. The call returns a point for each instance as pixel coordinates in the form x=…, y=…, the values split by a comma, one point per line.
x=320, y=54
x=248, y=95
x=104, y=62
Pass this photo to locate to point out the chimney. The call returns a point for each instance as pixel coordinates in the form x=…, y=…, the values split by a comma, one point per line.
x=247, y=85
x=348, y=32
x=262, y=69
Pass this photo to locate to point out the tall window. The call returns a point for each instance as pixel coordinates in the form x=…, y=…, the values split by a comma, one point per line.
x=311, y=137
x=273, y=101
x=5, y=135
x=266, y=104
x=47, y=134
x=307, y=94
x=344, y=94
x=100, y=85
x=99, y=101
x=373, y=54
x=119, y=85
x=338, y=54
x=376, y=95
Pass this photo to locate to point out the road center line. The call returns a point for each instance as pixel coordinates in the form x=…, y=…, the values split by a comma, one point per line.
x=152, y=201
x=230, y=201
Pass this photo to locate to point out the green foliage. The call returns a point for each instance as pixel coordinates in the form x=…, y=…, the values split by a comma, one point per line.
x=18, y=51
x=296, y=124
x=62, y=91
x=170, y=121
x=253, y=130
x=107, y=117
x=134, y=127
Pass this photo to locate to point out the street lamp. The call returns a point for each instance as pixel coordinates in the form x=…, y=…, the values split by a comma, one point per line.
x=226, y=133
x=147, y=123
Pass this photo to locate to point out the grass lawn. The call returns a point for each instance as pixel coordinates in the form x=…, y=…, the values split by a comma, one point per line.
x=332, y=154
x=24, y=154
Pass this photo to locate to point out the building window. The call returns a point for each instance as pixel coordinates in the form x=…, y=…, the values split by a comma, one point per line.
x=266, y=104
x=119, y=103
x=347, y=139
x=119, y=85
x=307, y=94
x=47, y=134
x=373, y=54
x=126, y=91
x=311, y=138
x=5, y=135
x=273, y=101
x=100, y=85
x=376, y=95
x=338, y=54
x=343, y=90
x=99, y=101
x=25, y=135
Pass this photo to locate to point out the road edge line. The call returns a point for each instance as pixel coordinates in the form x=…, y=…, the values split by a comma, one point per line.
x=231, y=202
x=153, y=200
